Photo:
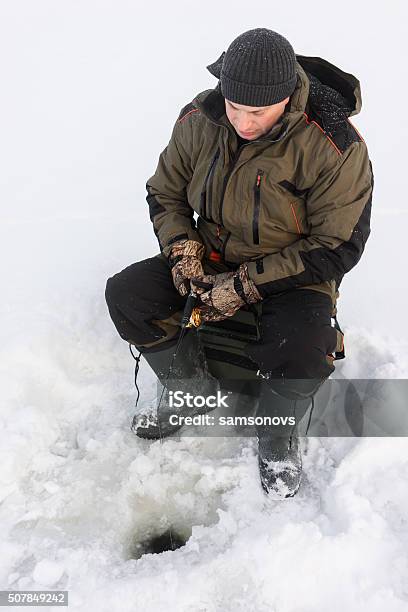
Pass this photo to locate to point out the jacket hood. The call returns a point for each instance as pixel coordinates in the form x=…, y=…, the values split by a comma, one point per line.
x=331, y=87
x=331, y=90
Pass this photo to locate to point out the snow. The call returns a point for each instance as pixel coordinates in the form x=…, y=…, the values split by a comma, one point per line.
x=47, y=572
x=79, y=493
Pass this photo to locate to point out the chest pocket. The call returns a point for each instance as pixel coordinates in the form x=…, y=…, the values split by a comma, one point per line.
x=297, y=207
x=278, y=211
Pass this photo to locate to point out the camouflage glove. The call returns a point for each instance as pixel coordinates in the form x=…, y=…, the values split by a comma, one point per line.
x=223, y=294
x=185, y=262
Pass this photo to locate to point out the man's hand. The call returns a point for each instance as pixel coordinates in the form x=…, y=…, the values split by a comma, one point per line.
x=185, y=262
x=221, y=295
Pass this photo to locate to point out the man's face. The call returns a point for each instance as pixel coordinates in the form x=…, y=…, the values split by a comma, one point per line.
x=251, y=122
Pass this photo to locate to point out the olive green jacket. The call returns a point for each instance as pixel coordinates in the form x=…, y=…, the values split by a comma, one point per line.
x=295, y=203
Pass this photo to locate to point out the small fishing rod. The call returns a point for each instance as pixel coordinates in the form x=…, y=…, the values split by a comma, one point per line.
x=191, y=318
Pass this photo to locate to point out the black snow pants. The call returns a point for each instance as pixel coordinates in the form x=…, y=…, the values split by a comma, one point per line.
x=297, y=339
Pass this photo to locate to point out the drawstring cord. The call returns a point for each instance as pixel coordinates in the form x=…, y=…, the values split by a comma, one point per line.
x=310, y=415
x=137, y=360
x=293, y=426
x=308, y=422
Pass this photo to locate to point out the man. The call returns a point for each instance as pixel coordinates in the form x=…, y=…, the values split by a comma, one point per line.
x=281, y=184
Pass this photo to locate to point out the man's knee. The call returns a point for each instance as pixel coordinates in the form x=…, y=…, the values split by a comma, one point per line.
x=143, y=302
x=129, y=285
x=305, y=355
x=300, y=355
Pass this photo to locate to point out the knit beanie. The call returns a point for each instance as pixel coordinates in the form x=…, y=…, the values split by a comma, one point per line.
x=258, y=69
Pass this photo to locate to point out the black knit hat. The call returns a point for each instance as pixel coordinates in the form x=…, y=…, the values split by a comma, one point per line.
x=258, y=69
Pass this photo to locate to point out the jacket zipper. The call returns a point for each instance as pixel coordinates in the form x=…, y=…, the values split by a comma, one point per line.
x=224, y=245
x=226, y=178
x=206, y=214
x=257, y=207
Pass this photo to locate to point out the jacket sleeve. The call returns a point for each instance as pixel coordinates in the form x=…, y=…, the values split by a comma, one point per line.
x=338, y=214
x=170, y=212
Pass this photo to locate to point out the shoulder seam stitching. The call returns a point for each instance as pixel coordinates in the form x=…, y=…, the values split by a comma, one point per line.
x=194, y=110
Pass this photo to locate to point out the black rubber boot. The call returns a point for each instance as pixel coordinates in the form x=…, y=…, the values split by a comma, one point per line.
x=279, y=454
x=280, y=465
x=189, y=374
